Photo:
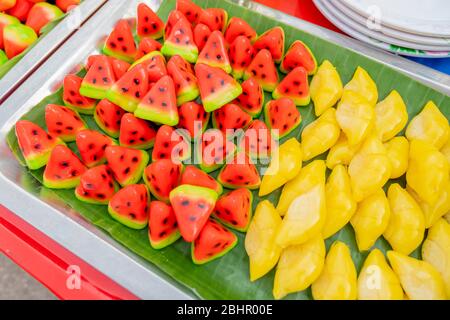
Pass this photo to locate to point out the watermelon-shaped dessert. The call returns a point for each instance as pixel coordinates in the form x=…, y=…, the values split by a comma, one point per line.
x=240, y=172
x=213, y=150
x=257, y=140
x=119, y=67
x=214, y=53
x=35, y=144
x=63, y=170
x=272, y=40
x=294, y=86
x=130, y=206
x=130, y=89
x=299, y=55
x=160, y=103
x=192, y=206
x=184, y=79
x=171, y=144
x=120, y=43
x=190, y=10
x=201, y=35
x=241, y=54
x=181, y=41
x=92, y=145
x=262, y=69
x=98, y=79
x=72, y=97
x=155, y=65
x=193, y=118
x=146, y=46
x=126, y=164
x=217, y=88
x=238, y=27
x=97, y=186
x=148, y=23
x=62, y=122
x=136, y=133
x=17, y=38
x=108, y=117
x=173, y=18
x=42, y=13
x=6, y=20
x=7, y=4
x=67, y=5
x=161, y=177
x=196, y=177
x=234, y=209
x=252, y=98
x=214, y=18
x=20, y=9
x=282, y=117
x=213, y=242
x=230, y=117
x=163, y=226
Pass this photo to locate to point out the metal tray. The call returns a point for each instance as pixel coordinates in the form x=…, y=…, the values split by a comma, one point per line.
x=47, y=45
x=65, y=226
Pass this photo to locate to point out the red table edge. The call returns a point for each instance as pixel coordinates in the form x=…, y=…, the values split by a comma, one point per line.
x=48, y=262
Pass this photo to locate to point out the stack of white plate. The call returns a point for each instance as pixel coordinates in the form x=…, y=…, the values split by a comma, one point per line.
x=408, y=27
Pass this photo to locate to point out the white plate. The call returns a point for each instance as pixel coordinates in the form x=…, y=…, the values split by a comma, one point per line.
x=362, y=28
x=402, y=35
x=379, y=44
x=425, y=17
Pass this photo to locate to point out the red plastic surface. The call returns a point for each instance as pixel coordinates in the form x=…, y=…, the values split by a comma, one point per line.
x=48, y=262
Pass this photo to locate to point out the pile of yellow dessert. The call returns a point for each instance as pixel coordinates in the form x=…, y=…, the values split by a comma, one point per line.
x=365, y=151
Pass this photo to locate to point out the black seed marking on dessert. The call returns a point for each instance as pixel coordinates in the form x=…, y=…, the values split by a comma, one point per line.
x=185, y=203
x=110, y=184
x=120, y=39
x=132, y=141
x=164, y=104
x=69, y=128
x=222, y=82
x=124, y=90
x=243, y=64
x=94, y=81
x=209, y=76
x=253, y=72
x=286, y=90
x=177, y=40
x=161, y=89
x=104, y=147
x=137, y=94
x=127, y=170
x=162, y=155
x=124, y=49
x=136, y=81
x=297, y=83
x=64, y=164
x=154, y=26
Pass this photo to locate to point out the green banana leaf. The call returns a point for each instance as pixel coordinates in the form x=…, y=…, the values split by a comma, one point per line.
x=228, y=277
